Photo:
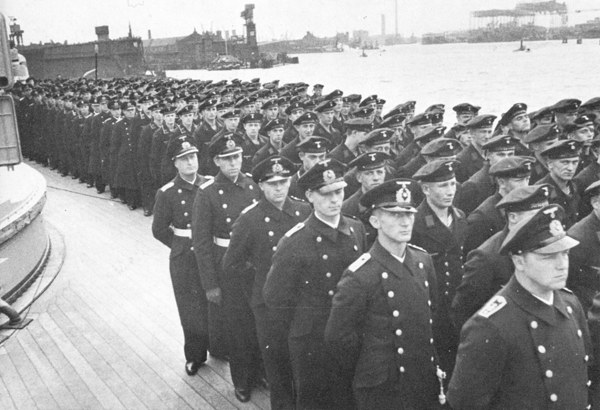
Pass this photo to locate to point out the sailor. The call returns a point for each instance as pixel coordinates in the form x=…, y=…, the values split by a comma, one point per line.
x=481, y=184
x=305, y=126
x=529, y=346
x=582, y=130
x=148, y=185
x=251, y=139
x=274, y=130
x=381, y=317
x=160, y=166
x=543, y=116
x=324, y=128
x=300, y=285
x=424, y=137
x=440, y=229
x=310, y=152
x=538, y=139
x=508, y=174
x=356, y=132
x=105, y=145
x=589, y=174
x=370, y=172
x=464, y=113
x=317, y=91
x=95, y=167
x=217, y=205
x=171, y=225
x=253, y=242
x=566, y=111
x=486, y=271
x=336, y=97
x=209, y=125
x=585, y=258
x=517, y=123
x=231, y=123
x=415, y=127
x=293, y=111
x=562, y=159
x=126, y=175
x=471, y=158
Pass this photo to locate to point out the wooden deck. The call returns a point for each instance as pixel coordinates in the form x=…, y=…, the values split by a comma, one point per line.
x=106, y=334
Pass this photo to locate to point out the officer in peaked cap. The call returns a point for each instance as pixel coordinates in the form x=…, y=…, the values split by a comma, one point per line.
x=356, y=132
x=584, y=259
x=480, y=130
x=400, y=278
x=562, y=159
x=508, y=174
x=481, y=185
x=321, y=381
x=171, y=226
x=566, y=111
x=305, y=128
x=508, y=356
x=253, y=242
x=440, y=229
x=486, y=271
x=217, y=205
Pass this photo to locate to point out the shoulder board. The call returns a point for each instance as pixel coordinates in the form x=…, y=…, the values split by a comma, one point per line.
x=249, y=175
x=417, y=247
x=294, y=229
x=246, y=209
x=351, y=217
x=207, y=184
x=567, y=290
x=297, y=199
x=106, y=120
x=167, y=186
x=359, y=262
x=119, y=120
x=492, y=306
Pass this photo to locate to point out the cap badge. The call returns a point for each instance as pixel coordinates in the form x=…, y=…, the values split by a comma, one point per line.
x=556, y=228
x=186, y=145
x=449, y=166
x=551, y=212
x=403, y=195
x=328, y=176
x=372, y=156
x=277, y=168
x=545, y=190
x=230, y=144
x=450, y=145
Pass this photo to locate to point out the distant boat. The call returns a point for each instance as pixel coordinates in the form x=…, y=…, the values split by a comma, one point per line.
x=522, y=47
x=363, y=53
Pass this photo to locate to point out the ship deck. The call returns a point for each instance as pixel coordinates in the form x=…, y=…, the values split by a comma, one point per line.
x=106, y=334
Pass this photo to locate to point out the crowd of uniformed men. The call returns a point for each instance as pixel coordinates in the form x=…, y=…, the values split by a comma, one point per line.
x=349, y=256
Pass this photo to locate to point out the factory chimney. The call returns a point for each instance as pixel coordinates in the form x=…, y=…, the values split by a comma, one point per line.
x=396, y=16
x=383, y=24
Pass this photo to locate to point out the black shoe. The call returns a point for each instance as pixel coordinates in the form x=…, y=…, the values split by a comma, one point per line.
x=191, y=367
x=262, y=382
x=242, y=395
x=147, y=212
x=132, y=207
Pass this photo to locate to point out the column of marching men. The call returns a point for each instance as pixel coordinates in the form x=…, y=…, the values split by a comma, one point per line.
x=348, y=257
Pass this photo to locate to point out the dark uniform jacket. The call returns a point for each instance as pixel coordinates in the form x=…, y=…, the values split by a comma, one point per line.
x=486, y=271
x=383, y=310
x=476, y=189
x=161, y=166
x=263, y=153
x=255, y=236
x=307, y=266
x=410, y=168
x=538, y=171
x=519, y=353
x=471, y=161
x=126, y=166
x=584, y=179
x=105, y=149
x=483, y=222
x=342, y=153
x=250, y=149
x=94, y=166
x=570, y=203
x=584, y=260
x=217, y=205
x=290, y=150
x=332, y=134
x=408, y=153
x=144, y=147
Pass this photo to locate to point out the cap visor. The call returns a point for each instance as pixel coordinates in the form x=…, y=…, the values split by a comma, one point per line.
x=398, y=208
x=562, y=244
x=275, y=178
x=230, y=153
x=332, y=187
x=188, y=151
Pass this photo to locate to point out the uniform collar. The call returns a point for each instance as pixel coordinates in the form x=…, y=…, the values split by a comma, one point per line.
x=181, y=183
x=533, y=305
x=275, y=213
x=326, y=230
x=242, y=180
x=392, y=264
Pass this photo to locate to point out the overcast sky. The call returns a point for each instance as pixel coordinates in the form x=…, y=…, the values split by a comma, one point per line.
x=74, y=20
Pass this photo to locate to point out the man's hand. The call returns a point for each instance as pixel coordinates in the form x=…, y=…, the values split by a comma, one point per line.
x=214, y=296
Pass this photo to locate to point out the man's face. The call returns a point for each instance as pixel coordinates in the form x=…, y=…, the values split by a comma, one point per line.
x=564, y=169
x=157, y=116
x=584, y=134
x=187, y=165
x=187, y=119
x=326, y=117
x=327, y=204
x=169, y=119
x=306, y=130
x=275, y=191
x=338, y=104
x=252, y=128
x=540, y=273
x=271, y=113
x=129, y=112
x=116, y=113
x=371, y=178
x=418, y=129
x=84, y=110
x=464, y=117
x=309, y=159
x=521, y=123
x=210, y=113
x=481, y=135
x=295, y=114
x=230, y=165
x=249, y=108
x=563, y=118
x=345, y=108
x=495, y=157
x=513, y=183
x=394, y=227
x=231, y=123
x=275, y=136
x=440, y=194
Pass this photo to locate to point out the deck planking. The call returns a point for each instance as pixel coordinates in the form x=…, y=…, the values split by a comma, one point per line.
x=106, y=334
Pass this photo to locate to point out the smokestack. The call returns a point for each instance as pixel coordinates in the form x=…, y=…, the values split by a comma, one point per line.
x=383, y=24
x=396, y=15
x=149, y=34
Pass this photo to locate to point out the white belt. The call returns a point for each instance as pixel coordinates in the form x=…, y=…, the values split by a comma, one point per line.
x=185, y=233
x=221, y=242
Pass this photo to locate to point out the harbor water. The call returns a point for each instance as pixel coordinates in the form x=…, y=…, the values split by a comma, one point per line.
x=492, y=75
